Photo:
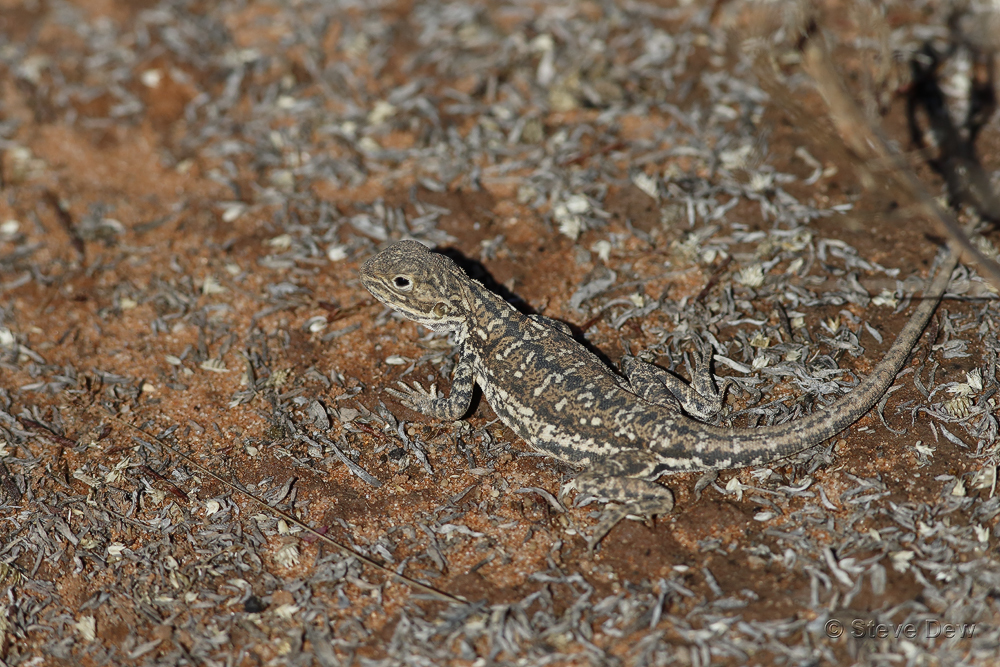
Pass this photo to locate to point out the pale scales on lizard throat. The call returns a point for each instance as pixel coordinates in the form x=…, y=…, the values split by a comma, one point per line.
x=624, y=432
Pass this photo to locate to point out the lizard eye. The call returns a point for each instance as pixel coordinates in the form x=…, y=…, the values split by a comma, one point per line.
x=402, y=282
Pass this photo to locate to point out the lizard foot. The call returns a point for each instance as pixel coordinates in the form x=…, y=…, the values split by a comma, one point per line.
x=627, y=496
x=430, y=402
x=709, y=399
x=700, y=399
x=415, y=397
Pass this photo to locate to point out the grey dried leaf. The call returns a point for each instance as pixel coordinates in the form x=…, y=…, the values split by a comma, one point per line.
x=596, y=286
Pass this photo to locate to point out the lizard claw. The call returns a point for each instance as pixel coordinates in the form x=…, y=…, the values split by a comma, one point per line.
x=414, y=397
x=418, y=389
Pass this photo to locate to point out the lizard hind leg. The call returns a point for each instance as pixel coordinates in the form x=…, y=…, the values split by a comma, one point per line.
x=630, y=496
x=700, y=399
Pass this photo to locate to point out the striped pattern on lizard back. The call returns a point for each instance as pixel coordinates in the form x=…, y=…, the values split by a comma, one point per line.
x=559, y=397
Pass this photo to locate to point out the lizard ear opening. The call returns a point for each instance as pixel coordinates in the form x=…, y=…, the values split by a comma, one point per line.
x=440, y=309
x=402, y=283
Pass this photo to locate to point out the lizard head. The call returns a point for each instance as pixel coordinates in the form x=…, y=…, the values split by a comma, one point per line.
x=423, y=286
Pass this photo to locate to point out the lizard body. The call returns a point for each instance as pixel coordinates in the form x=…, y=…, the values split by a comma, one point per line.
x=625, y=432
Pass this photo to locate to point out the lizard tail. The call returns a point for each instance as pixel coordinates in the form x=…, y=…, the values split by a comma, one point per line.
x=747, y=447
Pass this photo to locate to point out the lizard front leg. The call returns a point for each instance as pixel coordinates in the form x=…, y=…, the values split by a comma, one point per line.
x=430, y=403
